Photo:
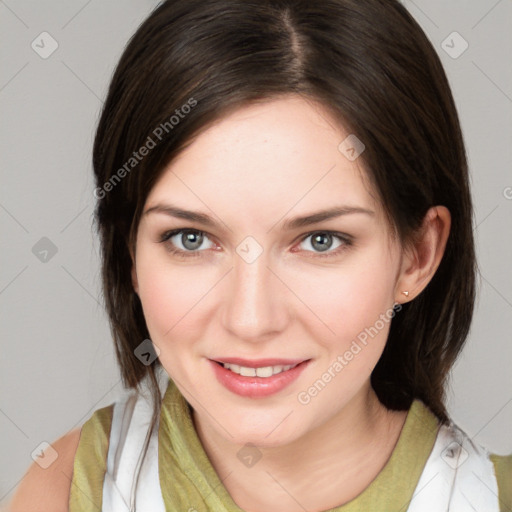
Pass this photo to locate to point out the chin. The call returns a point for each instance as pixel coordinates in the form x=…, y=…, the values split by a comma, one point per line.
x=271, y=434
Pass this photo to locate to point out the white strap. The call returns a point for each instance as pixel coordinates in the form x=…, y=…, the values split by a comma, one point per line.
x=130, y=423
x=458, y=476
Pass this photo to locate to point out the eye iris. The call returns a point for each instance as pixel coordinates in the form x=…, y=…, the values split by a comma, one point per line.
x=188, y=237
x=321, y=237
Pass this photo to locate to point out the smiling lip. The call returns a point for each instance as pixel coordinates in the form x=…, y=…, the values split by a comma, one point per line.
x=257, y=387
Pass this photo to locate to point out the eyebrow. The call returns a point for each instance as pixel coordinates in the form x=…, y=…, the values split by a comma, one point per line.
x=290, y=224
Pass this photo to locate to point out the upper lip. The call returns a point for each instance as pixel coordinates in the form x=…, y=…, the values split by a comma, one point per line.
x=258, y=363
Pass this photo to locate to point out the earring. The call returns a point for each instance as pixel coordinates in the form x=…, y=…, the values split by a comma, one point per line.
x=406, y=293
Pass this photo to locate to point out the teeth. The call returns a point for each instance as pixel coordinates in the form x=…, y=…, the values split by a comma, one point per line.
x=265, y=371
x=247, y=372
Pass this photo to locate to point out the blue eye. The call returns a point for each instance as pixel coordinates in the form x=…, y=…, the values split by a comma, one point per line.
x=192, y=239
x=322, y=241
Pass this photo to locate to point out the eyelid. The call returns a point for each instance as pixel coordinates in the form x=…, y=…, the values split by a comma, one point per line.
x=346, y=242
x=346, y=239
x=167, y=235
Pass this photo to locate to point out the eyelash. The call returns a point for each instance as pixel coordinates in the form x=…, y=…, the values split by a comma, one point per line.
x=347, y=242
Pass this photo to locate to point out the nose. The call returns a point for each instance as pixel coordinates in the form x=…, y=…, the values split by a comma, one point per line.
x=256, y=306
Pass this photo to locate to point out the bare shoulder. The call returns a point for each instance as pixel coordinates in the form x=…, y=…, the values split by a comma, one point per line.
x=48, y=489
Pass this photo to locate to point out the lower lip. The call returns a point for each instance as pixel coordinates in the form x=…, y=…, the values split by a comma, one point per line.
x=256, y=387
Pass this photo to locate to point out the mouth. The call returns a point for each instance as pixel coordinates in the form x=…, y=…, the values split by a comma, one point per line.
x=257, y=378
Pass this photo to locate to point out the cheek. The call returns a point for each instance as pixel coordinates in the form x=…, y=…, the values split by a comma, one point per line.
x=348, y=299
x=168, y=292
x=170, y=295
x=356, y=304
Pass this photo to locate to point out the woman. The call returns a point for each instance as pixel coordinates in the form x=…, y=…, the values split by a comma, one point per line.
x=286, y=228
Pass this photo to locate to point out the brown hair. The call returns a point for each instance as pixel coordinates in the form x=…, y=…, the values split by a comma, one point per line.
x=373, y=67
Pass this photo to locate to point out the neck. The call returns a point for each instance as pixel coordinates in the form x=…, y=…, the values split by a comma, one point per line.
x=345, y=454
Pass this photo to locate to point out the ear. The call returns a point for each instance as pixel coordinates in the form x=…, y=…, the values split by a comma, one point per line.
x=135, y=281
x=421, y=260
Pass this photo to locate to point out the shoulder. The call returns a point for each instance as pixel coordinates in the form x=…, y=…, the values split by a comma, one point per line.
x=81, y=450
x=48, y=489
x=503, y=470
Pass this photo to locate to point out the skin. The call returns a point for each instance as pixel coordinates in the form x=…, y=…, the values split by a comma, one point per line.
x=256, y=168
x=48, y=489
x=251, y=171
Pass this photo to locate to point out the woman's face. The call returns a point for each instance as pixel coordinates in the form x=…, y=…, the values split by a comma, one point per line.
x=256, y=287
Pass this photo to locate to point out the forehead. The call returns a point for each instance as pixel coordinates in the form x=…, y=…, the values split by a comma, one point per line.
x=265, y=159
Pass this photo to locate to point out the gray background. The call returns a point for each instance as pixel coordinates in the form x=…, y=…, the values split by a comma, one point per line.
x=57, y=362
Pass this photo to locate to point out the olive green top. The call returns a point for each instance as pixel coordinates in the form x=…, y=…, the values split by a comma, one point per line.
x=184, y=464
